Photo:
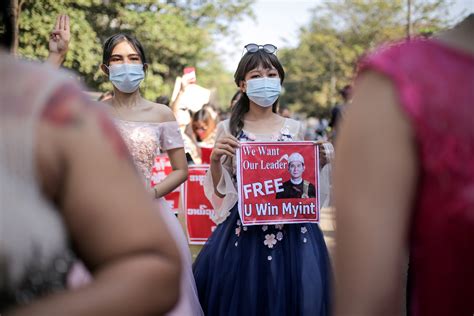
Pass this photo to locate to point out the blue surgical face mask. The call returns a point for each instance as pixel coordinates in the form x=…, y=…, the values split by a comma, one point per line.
x=264, y=91
x=126, y=77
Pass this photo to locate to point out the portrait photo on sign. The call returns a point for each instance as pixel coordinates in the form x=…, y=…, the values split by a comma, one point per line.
x=296, y=186
x=278, y=182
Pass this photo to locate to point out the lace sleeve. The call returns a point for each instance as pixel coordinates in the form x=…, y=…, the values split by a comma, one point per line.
x=226, y=186
x=170, y=136
x=300, y=132
x=293, y=130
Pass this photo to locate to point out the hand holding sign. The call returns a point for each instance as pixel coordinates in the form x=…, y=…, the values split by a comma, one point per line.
x=225, y=145
x=278, y=182
x=326, y=152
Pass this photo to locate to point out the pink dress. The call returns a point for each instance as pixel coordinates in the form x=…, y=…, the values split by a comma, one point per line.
x=435, y=84
x=145, y=140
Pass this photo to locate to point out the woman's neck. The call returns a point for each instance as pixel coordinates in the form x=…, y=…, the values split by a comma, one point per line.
x=258, y=113
x=128, y=100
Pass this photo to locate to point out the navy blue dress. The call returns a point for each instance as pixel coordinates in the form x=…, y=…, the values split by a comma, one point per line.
x=263, y=270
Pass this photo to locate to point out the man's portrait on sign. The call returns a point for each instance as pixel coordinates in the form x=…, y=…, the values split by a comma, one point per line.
x=296, y=187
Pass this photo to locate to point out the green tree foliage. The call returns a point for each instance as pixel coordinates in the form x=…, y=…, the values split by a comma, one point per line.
x=175, y=34
x=339, y=33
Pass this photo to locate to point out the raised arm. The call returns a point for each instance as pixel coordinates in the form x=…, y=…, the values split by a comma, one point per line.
x=185, y=81
x=375, y=181
x=59, y=41
x=86, y=168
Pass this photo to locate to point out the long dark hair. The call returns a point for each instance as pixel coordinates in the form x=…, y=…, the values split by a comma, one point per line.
x=112, y=41
x=248, y=62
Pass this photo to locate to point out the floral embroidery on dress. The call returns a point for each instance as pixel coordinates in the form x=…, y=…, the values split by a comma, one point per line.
x=305, y=240
x=285, y=131
x=285, y=134
x=251, y=137
x=246, y=136
x=270, y=240
x=269, y=258
x=304, y=230
x=279, y=236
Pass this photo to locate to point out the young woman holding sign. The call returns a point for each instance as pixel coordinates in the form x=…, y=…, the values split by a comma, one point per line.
x=258, y=270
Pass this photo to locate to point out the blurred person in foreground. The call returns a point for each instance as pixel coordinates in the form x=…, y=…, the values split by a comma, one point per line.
x=408, y=192
x=67, y=182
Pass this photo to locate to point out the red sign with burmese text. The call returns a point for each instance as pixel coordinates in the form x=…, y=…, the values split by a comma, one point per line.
x=197, y=206
x=160, y=170
x=278, y=182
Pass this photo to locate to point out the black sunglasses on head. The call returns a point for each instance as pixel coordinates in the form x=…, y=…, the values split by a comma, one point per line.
x=267, y=48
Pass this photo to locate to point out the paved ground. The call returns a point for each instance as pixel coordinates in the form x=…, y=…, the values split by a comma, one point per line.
x=328, y=226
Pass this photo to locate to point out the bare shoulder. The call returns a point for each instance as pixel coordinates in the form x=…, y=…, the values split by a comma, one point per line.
x=161, y=113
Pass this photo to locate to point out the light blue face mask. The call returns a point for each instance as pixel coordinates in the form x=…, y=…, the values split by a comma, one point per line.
x=126, y=77
x=264, y=91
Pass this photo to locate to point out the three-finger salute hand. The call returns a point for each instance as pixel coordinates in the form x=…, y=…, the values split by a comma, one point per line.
x=60, y=36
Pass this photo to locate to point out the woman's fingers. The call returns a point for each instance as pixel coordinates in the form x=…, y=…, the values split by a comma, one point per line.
x=226, y=147
x=223, y=149
x=58, y=21
x=66, y=22
x=223, y=152
x=229, y=140
x=61, y=22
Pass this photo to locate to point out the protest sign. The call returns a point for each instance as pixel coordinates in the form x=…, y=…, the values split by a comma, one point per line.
x=206, y=153
x=278, y=182
x=162, y=168
x=194, y=96
x=197, y=207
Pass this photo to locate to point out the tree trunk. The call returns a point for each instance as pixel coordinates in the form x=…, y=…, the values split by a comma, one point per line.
x=409, y=25
x=15, y=9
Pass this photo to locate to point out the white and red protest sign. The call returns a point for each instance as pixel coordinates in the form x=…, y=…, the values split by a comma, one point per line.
x=278, y=182
x=197, y=207
x=162, y=168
